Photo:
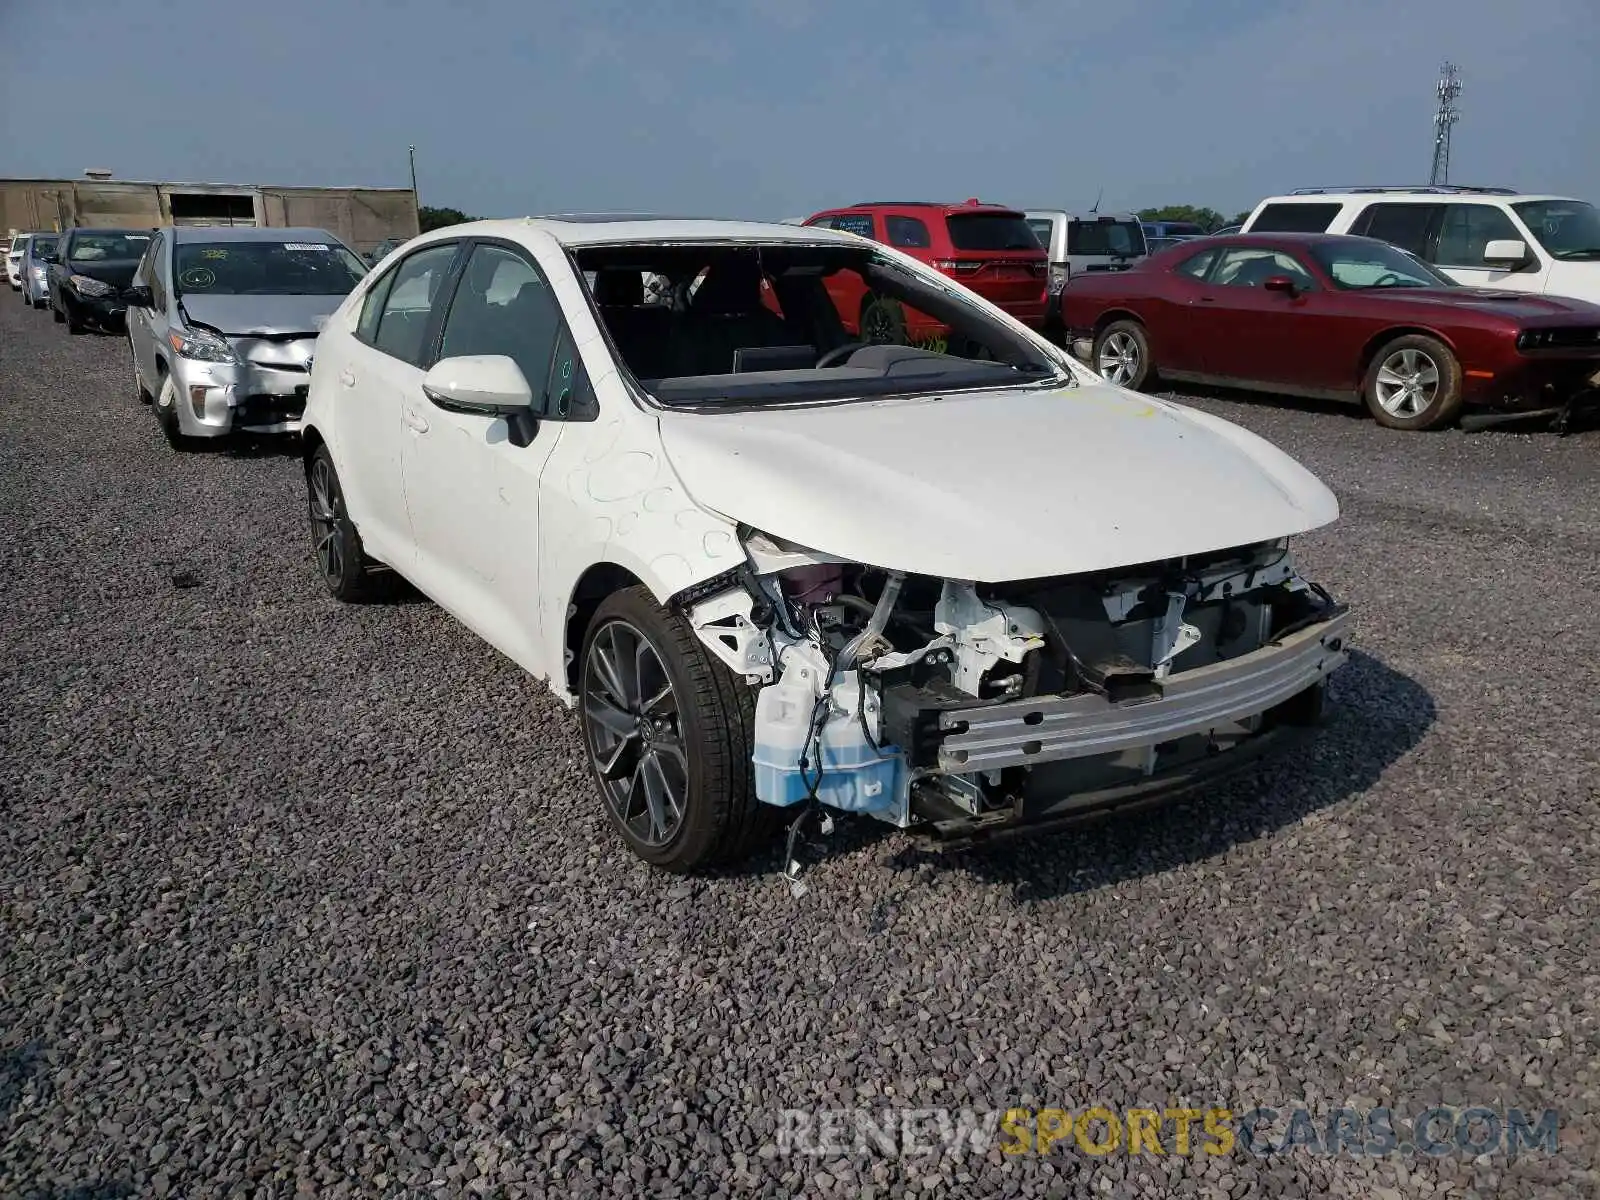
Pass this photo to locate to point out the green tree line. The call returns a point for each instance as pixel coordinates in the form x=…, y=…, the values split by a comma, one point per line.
x=429, y=219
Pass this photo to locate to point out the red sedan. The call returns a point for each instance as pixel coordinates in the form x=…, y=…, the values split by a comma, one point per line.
x=1346, y=318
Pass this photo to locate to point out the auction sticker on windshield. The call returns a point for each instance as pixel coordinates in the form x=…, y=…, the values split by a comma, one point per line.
x=305, y=246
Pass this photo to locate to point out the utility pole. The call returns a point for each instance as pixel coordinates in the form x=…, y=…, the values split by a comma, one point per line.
x=412, y=151
x=1449, y=89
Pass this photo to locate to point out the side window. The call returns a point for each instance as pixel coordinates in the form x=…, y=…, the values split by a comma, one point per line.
x=504, y=306
x=145, y=271
x=1403, y=225
x=1467, y=230
x=372, y=307
x=567, y=394
x=1295, y=218
x=403, y=321
x=1196, y=265
x=1043, y=229
x=856, y=223
x=907, y=232
x=154, y=258
x=1252, y=266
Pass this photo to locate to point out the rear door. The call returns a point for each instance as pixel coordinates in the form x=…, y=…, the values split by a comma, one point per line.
x=379, y=375
x=1411, y=227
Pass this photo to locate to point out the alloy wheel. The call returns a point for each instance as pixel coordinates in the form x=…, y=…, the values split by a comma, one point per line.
x=1119, y=359
x=327, y=514
x=631, y=724
x=1407, y=383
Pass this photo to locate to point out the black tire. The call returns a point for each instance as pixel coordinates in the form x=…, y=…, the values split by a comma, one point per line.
x=1129, y=345
x=883, y=321
x=40, y=303
x=73, y=324
x=713, y=720
x=55, y=315
x=341, y=559
x=1421, y=406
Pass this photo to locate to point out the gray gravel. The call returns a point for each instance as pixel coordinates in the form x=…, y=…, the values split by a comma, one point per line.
x=301, y=898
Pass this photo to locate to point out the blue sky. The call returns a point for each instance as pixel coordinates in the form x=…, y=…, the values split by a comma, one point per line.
x=774, y=108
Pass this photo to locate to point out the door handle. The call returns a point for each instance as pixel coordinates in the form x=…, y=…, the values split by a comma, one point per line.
x=347, y=377
x=415, y=421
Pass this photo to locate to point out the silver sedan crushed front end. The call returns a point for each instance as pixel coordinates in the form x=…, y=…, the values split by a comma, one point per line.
x=260, y=386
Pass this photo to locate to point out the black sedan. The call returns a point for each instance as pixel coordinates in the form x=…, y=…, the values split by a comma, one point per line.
x=89, y=271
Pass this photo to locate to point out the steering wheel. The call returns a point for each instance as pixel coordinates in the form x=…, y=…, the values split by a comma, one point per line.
x=1387, y=279
x=833, y=357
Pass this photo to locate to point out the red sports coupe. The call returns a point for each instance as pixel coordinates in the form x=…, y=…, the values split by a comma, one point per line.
x=1347, y=318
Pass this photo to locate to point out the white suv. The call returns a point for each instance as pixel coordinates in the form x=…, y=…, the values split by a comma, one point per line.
x=1482, y=237
x=775, y=567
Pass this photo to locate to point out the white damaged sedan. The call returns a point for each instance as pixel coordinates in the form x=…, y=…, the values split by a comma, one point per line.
x=814, y=527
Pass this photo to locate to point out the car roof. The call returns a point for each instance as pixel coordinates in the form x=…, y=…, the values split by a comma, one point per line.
x=964, y=206
x=188, y=234
x=576, y=230
x=1420, y=195
x=1076, y=216
x=1306, y=240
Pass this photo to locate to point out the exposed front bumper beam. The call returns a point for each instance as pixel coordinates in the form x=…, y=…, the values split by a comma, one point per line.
x=1052, y=728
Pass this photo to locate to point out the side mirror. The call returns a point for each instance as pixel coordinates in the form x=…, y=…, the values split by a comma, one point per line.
x=488, y=385
x=49, y=256
x=1279, y=283
x=138, y=296
x=1506, y=253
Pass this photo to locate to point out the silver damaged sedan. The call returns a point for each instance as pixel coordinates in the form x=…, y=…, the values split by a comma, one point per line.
x=223, y=322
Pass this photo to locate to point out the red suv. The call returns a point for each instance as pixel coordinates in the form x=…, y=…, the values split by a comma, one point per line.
x=988, y=248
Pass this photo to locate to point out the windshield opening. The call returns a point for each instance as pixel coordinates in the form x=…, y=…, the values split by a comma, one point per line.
x=108, y=247
x=18, y=242
x=1105, y=237
x=1568, y=229
x=266, y=269
x=780, y=324
x=1358, y=264
x=44, y=245
x=990, y=231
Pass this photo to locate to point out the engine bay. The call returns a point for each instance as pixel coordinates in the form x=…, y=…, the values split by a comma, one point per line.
x=952, y=703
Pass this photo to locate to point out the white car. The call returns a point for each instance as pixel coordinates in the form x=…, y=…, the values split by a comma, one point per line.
x=778, y=569
x=15, y=245
x=1478, y=236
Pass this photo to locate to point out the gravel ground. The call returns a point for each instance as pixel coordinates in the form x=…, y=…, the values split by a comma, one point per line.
x=309, y=899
